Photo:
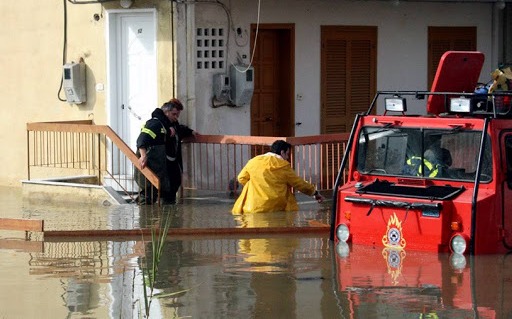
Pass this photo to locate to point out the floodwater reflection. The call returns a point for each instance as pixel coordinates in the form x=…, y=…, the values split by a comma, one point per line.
x=239, y=276
x=407, y=284
x=278, y=277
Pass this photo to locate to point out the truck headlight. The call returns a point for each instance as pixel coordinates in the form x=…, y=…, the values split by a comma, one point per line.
x=342, y=232
x=458, y=244
x=458, y=262
x=342, y=249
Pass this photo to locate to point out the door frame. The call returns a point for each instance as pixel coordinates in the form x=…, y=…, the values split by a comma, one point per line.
x=290, y=27
x=113, y=94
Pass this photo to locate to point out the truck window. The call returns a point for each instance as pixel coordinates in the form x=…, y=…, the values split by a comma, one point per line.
x=422, y=153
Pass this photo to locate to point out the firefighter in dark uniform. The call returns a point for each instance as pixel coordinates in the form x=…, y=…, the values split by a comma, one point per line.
x=159, y=148
x=436, y=160
x=177, y=132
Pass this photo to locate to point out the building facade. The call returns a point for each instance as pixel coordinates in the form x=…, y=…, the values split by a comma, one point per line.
x=313, y=64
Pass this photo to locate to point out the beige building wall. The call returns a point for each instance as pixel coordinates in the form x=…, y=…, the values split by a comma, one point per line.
x=32, y=43
x=31, y=60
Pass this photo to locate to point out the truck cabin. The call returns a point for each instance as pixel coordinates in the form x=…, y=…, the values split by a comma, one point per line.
x=448, y=147
x=432, y=165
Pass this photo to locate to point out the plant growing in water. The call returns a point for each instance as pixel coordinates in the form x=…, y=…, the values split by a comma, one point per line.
x=149, y=274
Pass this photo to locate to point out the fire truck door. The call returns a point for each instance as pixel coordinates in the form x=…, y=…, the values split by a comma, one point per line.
x=507, y=187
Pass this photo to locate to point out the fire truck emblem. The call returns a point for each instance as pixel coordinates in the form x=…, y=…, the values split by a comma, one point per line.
x=394, y=259
x=394, y=237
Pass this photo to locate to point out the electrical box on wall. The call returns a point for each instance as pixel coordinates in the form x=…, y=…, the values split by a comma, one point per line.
x=242, y=84
x=73, y=75
x=221, y=87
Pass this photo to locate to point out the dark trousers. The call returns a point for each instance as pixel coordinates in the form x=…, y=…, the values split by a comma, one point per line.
x=174, y=178
x=157, y=163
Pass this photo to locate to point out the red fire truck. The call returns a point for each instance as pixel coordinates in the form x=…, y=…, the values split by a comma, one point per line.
x=437, y=182
x=414, y=284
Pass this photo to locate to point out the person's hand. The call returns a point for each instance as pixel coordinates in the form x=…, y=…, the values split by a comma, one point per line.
x=195, y=133
x=319, y=198
x=143, y=160
x=172, y=131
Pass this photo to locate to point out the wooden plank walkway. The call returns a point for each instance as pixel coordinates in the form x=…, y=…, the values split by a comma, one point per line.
x=317, y=228
x=32, y=225
x=27, y=246
x=22, y=224
x=26, y=225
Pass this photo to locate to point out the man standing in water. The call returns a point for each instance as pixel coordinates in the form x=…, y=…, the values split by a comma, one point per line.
x=268, y=180
x=159, y=148
x=177, y=132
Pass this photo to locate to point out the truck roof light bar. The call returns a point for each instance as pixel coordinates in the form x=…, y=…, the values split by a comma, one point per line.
x=396, y=104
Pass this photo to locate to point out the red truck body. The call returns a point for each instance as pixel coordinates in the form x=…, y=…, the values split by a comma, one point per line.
x=417, y=284
x=439, y=182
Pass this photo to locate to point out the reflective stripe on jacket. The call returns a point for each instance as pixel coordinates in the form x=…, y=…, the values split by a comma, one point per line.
x=415, y=163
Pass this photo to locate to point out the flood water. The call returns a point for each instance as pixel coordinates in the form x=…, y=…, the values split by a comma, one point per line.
x=220, y=275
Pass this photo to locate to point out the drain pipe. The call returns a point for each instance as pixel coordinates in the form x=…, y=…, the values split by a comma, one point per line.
x=173, y=49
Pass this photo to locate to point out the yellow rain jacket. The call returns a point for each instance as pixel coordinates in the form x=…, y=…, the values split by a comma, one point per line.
x=267, y=181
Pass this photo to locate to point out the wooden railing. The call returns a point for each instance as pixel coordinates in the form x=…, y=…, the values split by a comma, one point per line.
x=214, y=161
x=58, y=150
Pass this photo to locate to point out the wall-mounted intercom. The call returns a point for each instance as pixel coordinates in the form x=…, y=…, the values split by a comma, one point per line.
x=73, y=83
x=242, y=84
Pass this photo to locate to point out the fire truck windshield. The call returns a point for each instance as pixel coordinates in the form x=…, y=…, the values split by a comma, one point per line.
x=423, y=153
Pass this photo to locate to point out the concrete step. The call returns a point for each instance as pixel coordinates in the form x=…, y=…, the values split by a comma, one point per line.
x=76, y=189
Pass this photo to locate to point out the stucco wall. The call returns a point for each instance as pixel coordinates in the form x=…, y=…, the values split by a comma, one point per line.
x=31, y=62
x=31, y=58
x=401, y=52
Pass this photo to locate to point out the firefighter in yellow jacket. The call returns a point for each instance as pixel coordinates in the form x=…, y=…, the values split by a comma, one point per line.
x=268, y=180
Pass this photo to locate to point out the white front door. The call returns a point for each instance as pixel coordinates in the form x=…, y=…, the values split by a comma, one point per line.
x=132, y=71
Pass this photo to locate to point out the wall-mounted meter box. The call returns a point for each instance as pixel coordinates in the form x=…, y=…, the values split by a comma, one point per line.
x=73, y=83
x=221, y=86
x=242, y=84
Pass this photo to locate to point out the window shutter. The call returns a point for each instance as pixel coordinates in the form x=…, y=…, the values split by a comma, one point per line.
x=442, y=39
x=348, y=75
x=335, y=87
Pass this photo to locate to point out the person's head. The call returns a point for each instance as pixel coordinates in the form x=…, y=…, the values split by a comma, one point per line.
x=172, y=109
x=447, y=157
x=282, y=148
x=433, y=140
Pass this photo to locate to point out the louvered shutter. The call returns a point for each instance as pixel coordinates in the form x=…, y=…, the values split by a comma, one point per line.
x=348, y=75
x=442, y=39
x=348, y=85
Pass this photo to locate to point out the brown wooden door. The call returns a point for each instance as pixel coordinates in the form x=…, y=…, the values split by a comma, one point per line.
x=442, y=39
x=348, y=75
x=272, y=108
